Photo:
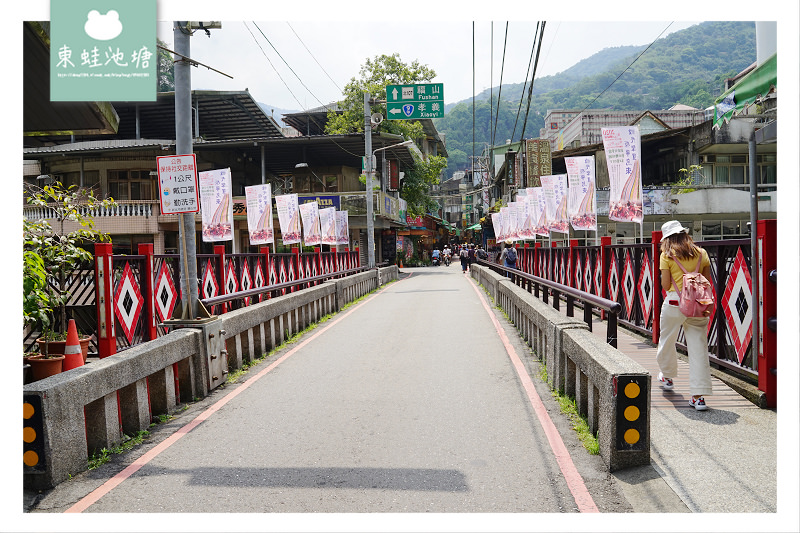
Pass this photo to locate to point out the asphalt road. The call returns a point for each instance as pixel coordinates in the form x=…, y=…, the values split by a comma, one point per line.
x=407, y=402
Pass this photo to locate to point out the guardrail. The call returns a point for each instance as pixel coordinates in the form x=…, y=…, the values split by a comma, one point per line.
x=588, y=301
x=611, y=390
x=73, y=414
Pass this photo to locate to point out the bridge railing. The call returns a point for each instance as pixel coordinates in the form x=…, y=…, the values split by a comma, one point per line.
x=628, y=274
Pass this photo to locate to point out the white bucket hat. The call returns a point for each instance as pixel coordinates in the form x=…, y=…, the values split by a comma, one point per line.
x=671, y=228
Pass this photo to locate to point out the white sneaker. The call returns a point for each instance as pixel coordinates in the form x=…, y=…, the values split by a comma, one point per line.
x=666, y=383
x=698, y=403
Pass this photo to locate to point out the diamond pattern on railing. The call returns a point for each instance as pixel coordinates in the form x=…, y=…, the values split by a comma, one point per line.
x=628, y=284
x=128, y=302
x=578, y=273
x=247, y=281
x=736, y=304
x=613, y=279
x=645, y=288
x=166, y=295
x=598, y=276
x=231, y=283
x=210, y=288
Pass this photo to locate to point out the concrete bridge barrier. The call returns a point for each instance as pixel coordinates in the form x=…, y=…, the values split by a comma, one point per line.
x=73, y=414
x=611, y=390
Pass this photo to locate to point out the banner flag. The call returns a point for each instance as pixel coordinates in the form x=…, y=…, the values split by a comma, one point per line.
x=216, y=205
x=497, y=222
x=327, y=219
x=623, y=149
x=555, y=194
x=309, y=213
x=582, y=205
x=289, y=218
x=259, y=214
x=342, y=228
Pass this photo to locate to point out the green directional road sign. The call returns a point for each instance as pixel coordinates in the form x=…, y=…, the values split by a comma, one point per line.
x=415, y=101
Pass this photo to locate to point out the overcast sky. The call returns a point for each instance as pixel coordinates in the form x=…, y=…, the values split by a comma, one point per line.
x=301, y=64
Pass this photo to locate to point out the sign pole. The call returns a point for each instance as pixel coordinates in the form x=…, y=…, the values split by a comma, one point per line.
x=368, y=155
x=183, y=146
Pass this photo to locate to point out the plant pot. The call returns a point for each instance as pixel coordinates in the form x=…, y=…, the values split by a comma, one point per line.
x=57, y=347
x=44, y=367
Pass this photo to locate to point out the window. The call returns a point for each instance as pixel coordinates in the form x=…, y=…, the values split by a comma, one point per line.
x=130, y=185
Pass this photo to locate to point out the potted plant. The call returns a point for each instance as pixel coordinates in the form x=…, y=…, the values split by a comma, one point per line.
x=52, y=251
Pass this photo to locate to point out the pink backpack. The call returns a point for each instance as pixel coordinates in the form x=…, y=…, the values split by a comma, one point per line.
x=696, y=297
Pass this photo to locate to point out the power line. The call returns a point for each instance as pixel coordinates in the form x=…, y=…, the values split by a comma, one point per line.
x=533, y=78
x=500, y=89
x=314, y=58
x=522, y=93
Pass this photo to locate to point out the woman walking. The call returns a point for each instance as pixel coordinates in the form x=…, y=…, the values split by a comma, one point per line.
x=677, y=246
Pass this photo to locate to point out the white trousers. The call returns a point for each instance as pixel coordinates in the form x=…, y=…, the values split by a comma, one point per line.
x=695, y=330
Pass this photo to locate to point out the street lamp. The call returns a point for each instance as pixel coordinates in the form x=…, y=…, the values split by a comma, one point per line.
x=370, y=222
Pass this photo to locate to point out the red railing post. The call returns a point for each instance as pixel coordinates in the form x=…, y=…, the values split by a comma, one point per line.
x=605, y=258
x=526, y=259
x=267, y=271
x=219, y=251
x=537, y=249
x=657, y=289
x=104, y=299
x=148, y=292
x=766, y=277
x=358, y=254
x=573, y=243
x=296, y=261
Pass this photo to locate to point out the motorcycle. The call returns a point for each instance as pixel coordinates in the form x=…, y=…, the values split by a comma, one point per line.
x=447, y=260
x=435, y=261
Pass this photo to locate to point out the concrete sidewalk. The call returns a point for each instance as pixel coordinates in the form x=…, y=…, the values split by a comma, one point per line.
x=722, y=460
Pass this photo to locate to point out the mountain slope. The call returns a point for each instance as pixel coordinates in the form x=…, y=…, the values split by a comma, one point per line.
x=687, y=67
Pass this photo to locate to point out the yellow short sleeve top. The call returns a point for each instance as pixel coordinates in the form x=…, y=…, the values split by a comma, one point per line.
x=668, y=263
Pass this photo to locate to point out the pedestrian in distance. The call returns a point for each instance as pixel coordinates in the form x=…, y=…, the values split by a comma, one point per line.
x=464, y=256
x=678, y=246
x=508, y=257
x=471, y=254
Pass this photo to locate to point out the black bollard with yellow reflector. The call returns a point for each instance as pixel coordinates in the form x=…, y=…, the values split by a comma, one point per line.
x=33, y=457
x=631, y=393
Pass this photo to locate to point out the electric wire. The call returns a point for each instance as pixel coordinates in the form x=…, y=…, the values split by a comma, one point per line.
x=524, y=85
x=500, y=89
x=533, y=77
x=314, y=58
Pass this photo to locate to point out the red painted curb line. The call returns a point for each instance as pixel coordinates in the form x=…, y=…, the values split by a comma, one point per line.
x=574, y=480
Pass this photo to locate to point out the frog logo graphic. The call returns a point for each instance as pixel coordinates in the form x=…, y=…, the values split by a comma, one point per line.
x=103, y=27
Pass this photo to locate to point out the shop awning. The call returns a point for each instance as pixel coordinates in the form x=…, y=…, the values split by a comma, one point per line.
x=757, y=83
x=475, y=226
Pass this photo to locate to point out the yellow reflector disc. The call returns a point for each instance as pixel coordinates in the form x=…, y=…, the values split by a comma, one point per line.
x=28, y=434
x=631, y=436
x=631, y=413
x=632, y=390
x=27, y=410
x=30, y=458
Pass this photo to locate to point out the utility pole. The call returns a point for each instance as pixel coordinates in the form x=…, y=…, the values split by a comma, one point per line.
x=368, y=156
x=183, y=146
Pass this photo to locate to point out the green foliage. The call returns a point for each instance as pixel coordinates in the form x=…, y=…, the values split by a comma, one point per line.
x=166, y=70
x=49, y=253
x=374, y=76
x=417, y=184
x=686, y=180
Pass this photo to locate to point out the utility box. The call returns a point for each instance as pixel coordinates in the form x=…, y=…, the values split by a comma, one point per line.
x=214, y=369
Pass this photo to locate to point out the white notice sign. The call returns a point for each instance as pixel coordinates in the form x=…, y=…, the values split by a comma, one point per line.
x=177, y=179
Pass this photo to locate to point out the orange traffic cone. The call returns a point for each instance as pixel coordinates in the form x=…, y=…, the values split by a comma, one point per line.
x=73, y=357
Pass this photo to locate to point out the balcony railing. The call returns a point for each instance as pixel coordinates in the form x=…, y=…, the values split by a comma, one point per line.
x=123, y=208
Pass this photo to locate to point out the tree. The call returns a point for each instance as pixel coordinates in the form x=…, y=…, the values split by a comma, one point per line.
x=375, y=75
x=417, y=184
x=166, y=70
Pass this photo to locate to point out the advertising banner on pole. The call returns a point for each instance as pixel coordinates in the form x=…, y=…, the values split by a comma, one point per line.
x=582, y=204
x=288, y=218
x=555, y=194
x=217, y=205
x=259, y=214
x=309, y=213
x=526, y=225
x=342, y=228
x=539, y=205
x=327, y=220
x=497, y=222
x=623, y=155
